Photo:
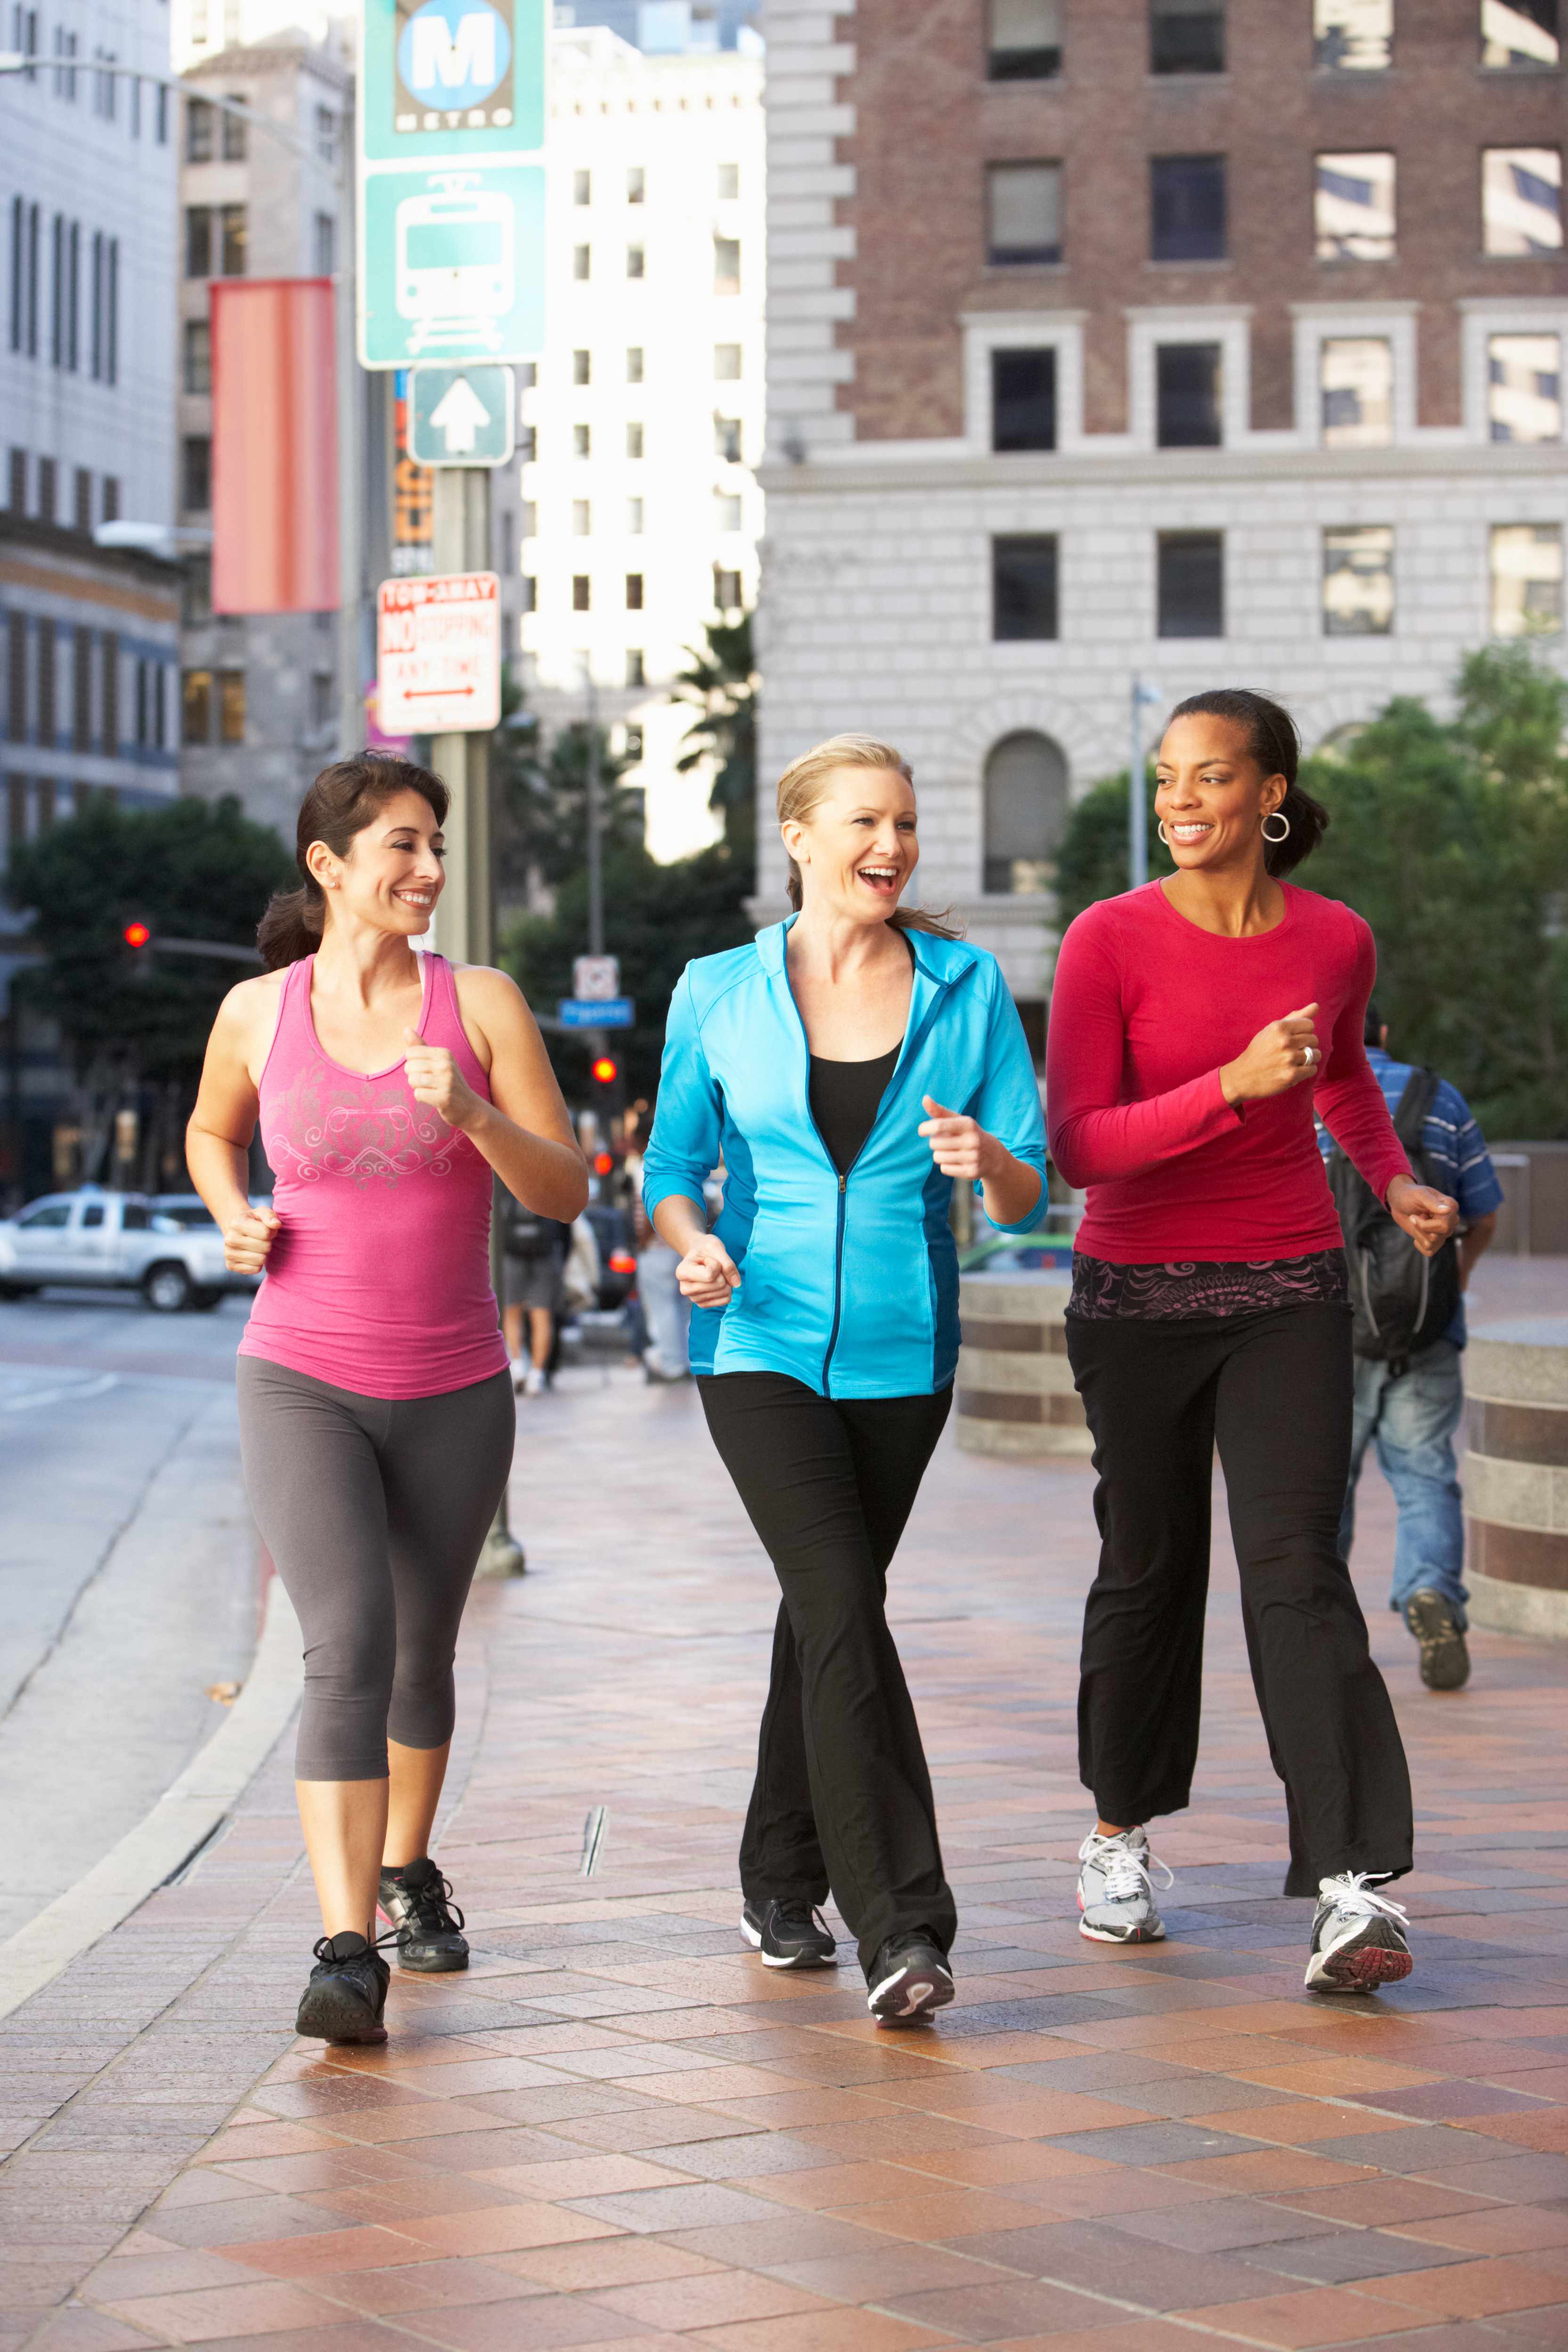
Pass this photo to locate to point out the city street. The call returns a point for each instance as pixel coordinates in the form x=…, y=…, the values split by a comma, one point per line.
x=618, y=2129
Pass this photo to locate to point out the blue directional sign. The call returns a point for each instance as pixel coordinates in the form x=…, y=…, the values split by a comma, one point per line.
x=451, y=265
x=462, y=416
x=452, y=77
x=595, y=1012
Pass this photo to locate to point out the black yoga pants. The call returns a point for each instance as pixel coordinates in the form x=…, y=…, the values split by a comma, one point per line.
x=843, y=1796
x=375, y=1511
x=1275, y=1390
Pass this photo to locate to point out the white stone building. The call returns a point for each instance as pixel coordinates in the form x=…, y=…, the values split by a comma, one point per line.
x=633, y=514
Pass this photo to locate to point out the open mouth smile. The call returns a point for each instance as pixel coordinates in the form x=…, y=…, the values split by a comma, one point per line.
x=885, y=878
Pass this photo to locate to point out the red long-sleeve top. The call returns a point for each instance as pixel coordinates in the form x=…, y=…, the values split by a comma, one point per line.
x=1146, y=1009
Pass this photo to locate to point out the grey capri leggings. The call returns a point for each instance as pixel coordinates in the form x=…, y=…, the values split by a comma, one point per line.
x=373, y=1509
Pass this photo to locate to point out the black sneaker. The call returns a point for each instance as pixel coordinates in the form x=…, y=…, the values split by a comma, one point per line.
x=1358, y=1936
x=910, y=1979
x=788, y=1936
x=347, y=1992
x=1445, y=1661
x=427, y=1926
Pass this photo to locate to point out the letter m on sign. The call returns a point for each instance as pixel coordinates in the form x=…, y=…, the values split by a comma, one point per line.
x=455, y=55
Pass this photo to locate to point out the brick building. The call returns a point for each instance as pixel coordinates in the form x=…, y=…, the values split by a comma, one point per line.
x=1196, y=341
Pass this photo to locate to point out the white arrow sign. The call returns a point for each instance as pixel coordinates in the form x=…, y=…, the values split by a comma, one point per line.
x=460, y=414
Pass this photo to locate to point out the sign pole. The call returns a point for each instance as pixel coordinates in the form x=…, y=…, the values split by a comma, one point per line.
x=1137, y=806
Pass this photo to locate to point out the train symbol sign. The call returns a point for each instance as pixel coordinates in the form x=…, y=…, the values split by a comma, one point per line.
x=451, y=265
x=439, y=653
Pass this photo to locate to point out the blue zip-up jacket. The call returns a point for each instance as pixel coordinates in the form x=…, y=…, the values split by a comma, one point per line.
x=848, y=1284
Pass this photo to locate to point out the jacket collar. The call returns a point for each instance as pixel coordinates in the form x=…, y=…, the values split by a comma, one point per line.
x=937, y=958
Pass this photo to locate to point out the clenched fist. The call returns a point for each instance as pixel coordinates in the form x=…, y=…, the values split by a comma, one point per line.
x=433, y=1079
x=246, y=1238
x=1279, y=1057
x=708, y=1274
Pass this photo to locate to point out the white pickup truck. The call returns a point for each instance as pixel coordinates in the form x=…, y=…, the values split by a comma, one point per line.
x=172, y=1253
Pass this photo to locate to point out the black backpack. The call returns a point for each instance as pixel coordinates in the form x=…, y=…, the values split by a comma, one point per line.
x=1404, y=1302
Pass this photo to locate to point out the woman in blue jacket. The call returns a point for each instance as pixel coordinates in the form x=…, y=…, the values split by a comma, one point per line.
x=825, y=1335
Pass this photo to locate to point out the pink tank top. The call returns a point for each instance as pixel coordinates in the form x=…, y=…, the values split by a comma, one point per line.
x=379, y=1278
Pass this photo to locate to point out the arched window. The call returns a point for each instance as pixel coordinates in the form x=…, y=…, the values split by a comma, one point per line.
x=1025, y=810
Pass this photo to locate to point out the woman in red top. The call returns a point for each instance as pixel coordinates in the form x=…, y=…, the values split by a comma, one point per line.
x=1194, y=1024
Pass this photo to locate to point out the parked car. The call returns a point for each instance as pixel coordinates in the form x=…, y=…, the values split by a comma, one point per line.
x=124, y=1241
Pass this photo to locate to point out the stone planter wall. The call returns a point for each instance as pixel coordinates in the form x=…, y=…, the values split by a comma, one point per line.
x=1516, y=1476
x=1015, y=1384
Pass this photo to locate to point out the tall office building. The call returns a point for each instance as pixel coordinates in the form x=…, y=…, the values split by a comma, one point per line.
x=1172, y=340
x=642, y=424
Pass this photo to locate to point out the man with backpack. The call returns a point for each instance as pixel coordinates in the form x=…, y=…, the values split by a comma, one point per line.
x=531, y=1275
x=1408, y=1334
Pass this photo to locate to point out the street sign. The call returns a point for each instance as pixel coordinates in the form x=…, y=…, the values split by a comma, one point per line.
x=439, y=653
x=596, y=975
x=452, y=264
x=463, y=416
x=595, y=1012
x=451, y=78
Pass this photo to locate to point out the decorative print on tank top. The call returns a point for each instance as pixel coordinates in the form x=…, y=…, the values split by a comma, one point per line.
x=1101, y=1290
x=330, y=1125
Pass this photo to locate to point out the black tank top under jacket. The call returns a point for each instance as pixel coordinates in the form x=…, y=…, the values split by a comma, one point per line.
x=844, y=1100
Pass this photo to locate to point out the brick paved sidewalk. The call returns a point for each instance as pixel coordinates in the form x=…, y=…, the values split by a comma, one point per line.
x=619, y=2131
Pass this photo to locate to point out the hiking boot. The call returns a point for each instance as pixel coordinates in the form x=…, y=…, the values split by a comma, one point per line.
x=909, y=1979
x=347, y=1992
x=426, y=1926
x=1115, y=1892
x=1445, y=1661
x=789, y=1935
x=1358, y=1936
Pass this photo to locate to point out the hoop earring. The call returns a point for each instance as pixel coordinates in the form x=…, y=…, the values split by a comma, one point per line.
x=1277, y=837
x=1160, y=829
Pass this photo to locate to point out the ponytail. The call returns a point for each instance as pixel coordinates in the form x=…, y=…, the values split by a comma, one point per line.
x=342, y=802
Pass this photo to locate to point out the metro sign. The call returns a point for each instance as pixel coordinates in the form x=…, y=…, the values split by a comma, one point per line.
x=454, y=68
x=439, y=653
x=450, y=79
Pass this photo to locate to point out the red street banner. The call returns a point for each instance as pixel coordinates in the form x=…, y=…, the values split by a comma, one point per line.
x=275, y=446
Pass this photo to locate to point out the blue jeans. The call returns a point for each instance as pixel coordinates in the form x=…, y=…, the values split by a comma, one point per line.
x=1413, y=1420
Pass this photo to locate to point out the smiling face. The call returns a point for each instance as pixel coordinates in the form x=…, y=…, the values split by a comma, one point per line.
x=392, y=875
x=1212, y=795
x=857, y=848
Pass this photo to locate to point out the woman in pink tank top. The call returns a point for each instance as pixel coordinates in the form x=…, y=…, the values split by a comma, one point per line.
x=389, y=1091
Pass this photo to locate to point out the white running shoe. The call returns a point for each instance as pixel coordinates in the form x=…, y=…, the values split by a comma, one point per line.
x=1115, y=1893
x=1358, y=1936
x=533, y=1381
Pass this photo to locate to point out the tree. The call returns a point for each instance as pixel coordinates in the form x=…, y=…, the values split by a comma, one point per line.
x=1092, y=860
x=723, y=683
x=542, y=801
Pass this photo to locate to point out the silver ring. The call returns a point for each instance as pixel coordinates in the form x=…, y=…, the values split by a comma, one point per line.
x=1311, y=1053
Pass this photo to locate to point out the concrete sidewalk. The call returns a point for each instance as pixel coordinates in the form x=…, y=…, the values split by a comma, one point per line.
x=618, y=2130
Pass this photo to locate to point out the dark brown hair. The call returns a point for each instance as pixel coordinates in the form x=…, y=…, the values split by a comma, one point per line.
x=1273, y=742
x=342, y=800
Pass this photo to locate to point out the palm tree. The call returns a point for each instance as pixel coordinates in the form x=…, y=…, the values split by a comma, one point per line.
x=723, y=683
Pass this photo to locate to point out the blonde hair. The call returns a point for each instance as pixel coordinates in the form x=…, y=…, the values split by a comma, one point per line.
x=803, y=787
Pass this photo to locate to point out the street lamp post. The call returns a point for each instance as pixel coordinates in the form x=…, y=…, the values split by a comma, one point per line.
x=1145, y=696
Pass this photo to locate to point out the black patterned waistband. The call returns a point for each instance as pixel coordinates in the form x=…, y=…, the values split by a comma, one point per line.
x=1206, y=1286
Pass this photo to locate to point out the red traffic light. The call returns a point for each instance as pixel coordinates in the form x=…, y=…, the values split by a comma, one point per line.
x=606, y=1070
x=137, y=935
x=603, y=1163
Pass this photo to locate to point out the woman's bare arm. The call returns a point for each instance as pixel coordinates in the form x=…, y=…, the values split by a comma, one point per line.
x=217, y=1139
x=523, y=1130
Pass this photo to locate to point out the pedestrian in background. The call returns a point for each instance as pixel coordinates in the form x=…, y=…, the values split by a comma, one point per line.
x=1191, y=1021
x=826, y=1331
x=1408, y=1337
x=375, y=1401
x=533, y=1257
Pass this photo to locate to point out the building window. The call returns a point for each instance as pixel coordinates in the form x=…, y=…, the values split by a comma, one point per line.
x=527, y=374
x=1190, y=583
x=1524, y=387
x=726, y=512
x=526, y=444
x=1186, y=208
x=144, y=705
x=321, y=698
x=529, y=597
x=1024, y=213
x=83, y=499
x=1186, y=37
x=634, y=441
x=326, y=134
x=580, y=592
x=200, y=130
x=1024, y=587
x=196, y=706
x=16, y=481
x=581, y=255
x=198, y=240
x=636, y=674
x=111, y=497
x=1354, y=207
x=1025, y=798
x=16, y=678
x=325, y=244
x=1527, y=579
x=1519, y=33
x=633, y=363
x=1521, y=199
x=581, y=188
x=1187, y=395
x=160, y=116
x=637, y=261
x=67, y=46
x=196, y=472
x=729, y=183
x=235, y=129
x=73, y=300
x=233, y=241
x=633, y=518
x=726, y=589
x=1353, y=35
x=231, y=706
x=581, y=519
x=1025, y=43
x=726, y=362
x=637, y=184
x=104, y=357
x=198, y=345
x=81, y=692
x=727, y=439
x=1356, y=383
x=634, y=591
x=726, y=265
x=582, y=367
x=48, y=490
x=582, y=441
x=1358, y=582
x=1024, y=400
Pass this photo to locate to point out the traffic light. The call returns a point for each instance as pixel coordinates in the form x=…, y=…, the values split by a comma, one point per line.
x=138, y=935
x=605, y=1069
x=136, y=939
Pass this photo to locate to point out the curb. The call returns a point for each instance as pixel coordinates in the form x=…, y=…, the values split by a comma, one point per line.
x=186, y=1816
